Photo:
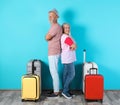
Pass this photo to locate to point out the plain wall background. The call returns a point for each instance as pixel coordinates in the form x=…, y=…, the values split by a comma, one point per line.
x=95, y=26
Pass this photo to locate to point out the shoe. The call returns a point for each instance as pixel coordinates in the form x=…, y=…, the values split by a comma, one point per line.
x=70, y=93
x=53, y=95
x=67, y=95
x=73, y=95
x=49, y=92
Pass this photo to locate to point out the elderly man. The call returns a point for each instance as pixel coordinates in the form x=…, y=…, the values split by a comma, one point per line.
x=53, y=37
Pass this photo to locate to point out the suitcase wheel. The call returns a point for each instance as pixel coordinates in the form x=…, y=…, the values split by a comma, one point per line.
x=28, y=100
x=101, y=101
x=35, y=100
x=22, y=100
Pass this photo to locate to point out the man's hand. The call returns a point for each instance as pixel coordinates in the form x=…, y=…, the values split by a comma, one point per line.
x=48, y=37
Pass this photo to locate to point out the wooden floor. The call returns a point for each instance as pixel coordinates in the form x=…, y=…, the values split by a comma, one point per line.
x=14, y=98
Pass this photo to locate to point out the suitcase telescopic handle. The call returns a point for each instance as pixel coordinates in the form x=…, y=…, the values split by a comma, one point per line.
x=33, y=67
x=93, y=69
x=84, y=55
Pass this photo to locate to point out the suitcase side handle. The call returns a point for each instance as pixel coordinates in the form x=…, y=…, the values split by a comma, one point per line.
x=93, y=69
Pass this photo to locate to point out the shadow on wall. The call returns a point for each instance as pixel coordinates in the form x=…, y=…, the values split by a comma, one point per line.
x=78, y=32
x=77, y=81
x=46, y=77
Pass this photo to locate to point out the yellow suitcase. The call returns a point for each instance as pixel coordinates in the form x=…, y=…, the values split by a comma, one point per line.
x=30, y=87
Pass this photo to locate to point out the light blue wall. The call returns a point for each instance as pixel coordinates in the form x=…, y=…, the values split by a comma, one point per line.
x=95, y=25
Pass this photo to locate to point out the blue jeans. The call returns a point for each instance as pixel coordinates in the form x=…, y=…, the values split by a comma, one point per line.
x=68, y=75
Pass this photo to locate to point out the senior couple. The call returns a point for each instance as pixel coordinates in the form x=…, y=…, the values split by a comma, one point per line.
x=60, y=45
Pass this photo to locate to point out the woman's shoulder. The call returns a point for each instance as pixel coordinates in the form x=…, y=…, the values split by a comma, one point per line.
x=64, y=36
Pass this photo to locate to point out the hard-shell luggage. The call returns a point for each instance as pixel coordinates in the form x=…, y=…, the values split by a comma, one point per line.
x=35, y=66
x=86, y=68
x=30, y=87
x=94, y=87
x=31, y=82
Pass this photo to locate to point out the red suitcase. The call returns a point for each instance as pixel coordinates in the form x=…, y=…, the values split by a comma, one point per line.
x=94, y=87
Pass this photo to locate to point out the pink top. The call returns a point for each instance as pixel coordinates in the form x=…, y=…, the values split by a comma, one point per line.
x=67, y=55
x=54, y=44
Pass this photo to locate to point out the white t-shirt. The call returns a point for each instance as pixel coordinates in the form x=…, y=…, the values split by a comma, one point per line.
x=67, y=55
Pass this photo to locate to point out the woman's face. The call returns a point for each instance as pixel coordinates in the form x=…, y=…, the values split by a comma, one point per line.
x=66, y=29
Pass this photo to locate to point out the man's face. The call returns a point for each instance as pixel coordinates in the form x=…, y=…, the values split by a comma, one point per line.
x=52, y=17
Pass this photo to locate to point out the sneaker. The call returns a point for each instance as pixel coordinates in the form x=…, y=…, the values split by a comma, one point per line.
x=70, y=93
x=73, y=95
x=49, y=92
x=53, y=95
x=66, y=95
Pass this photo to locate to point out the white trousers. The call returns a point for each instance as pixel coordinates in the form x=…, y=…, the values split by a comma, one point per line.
x=53, y=66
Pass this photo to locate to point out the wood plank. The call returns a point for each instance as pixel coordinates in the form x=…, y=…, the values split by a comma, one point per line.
x=14, y=98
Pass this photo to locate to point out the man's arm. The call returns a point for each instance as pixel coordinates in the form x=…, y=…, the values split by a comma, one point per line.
x=48, y=37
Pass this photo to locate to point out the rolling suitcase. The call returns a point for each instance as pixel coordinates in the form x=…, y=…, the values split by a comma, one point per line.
x=30, y=87
x=94, y=87
x=35, y=65
x=86, y=68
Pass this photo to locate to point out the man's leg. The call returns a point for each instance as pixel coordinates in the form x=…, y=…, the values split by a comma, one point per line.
x=53, y=66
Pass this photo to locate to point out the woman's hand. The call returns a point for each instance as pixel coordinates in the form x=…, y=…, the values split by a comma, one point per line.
x=73, y=46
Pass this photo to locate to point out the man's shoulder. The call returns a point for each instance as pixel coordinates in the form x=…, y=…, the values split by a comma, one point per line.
x=56, y=26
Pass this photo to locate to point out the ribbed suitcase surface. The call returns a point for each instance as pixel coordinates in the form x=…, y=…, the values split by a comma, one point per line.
x=94, y=87
x=34, y=65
